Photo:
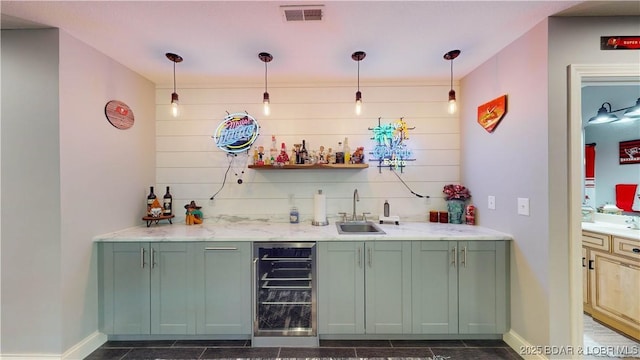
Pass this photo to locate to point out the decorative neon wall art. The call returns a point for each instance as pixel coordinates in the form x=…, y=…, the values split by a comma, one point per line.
x=391, y=149
x=236, y=133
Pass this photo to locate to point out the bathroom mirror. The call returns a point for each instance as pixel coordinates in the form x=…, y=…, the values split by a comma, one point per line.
x=606, y=139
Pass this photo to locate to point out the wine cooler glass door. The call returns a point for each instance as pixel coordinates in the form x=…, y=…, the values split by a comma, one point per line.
x=285, y=289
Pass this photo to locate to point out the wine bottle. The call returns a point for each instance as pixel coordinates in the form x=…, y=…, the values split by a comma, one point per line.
x=166, y=203
x=150, y=199
x=304, y=155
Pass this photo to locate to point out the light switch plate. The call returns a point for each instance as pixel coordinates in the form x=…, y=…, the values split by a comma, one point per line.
x=523, y=206
x=491, y=202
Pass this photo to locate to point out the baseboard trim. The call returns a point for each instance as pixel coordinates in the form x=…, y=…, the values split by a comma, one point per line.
x=521, y=346
x=85, y=347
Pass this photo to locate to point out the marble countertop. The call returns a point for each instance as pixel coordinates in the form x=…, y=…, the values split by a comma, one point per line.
x=611, y=229
x=244, y=229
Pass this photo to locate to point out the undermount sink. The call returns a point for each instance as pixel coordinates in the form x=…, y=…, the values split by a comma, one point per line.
x=358, y=227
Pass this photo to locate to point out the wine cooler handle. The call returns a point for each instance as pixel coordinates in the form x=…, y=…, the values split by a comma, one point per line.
x=220, y=248
x=142, y=257
x=153, y=258
x=254, y=295
x=359, y=257
x=454, y=256
x=369, y=251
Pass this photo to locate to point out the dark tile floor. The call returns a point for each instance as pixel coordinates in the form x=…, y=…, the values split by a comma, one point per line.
x=341, y=349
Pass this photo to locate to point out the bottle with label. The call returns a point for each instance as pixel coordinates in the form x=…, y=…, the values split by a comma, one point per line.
x=166, y=203
x=150, y=198
x=294, y=215
x=347, y=151
x=304, y=155
x=386, y=208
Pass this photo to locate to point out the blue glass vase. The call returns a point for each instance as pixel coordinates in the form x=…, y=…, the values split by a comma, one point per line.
x=455, y=208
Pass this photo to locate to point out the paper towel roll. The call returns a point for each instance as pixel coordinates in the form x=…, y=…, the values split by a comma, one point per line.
x=319, y=207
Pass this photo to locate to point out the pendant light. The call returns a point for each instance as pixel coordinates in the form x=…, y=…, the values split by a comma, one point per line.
x=452, y=94
x=174, y=96
x=358, y=56
x=265, y=57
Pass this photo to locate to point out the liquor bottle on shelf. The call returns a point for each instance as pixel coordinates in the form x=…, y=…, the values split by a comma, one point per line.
x=347, y=151
x=166, y=203
x=304, y=155
x=150, y=199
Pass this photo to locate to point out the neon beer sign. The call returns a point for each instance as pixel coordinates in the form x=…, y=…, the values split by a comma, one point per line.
x=391, y=149
x=236, y=133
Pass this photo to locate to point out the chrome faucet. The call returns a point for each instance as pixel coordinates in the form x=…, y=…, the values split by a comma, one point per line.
x=634, y=222
x=356, y=197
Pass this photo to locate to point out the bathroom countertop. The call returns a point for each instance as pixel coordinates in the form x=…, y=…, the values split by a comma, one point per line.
x=245, y=229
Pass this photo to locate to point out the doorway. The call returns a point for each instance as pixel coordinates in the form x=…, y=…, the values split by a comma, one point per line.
x=578, y=75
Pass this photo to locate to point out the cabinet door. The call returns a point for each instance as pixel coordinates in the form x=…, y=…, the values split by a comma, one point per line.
x=340, y=287
x=172, y=284
x=223, y=288
x=388, y=287
x=482, y=287
x=434, y=287
x=615, y=285
x=124, y=284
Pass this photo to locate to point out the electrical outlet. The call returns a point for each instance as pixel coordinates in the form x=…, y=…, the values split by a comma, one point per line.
x=491, y=202
x=523, y=206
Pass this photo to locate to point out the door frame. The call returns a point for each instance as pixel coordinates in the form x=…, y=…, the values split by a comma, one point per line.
x=577, y=75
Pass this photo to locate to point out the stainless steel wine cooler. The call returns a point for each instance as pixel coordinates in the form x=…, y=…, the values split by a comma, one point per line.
x=284, y=294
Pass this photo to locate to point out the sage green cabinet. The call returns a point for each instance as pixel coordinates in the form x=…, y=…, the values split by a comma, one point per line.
x=223, y=290
x=145, y=288
x=354, y=276
x=460, y=287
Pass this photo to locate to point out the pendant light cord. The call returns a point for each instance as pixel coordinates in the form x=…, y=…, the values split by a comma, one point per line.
x=451, y=77
x=174, y=76
x=358, y=75
x=265, y=76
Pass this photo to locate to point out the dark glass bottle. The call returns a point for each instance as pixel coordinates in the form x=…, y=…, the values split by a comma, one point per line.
x=166, y=203
x=150, y=199
x=304, y=155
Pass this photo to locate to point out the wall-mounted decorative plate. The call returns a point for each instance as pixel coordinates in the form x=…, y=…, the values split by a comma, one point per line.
x=119, y=114
x=490, y=114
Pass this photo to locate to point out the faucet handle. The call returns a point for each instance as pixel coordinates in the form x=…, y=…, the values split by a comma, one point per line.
x=364, y=215
x=344, y=216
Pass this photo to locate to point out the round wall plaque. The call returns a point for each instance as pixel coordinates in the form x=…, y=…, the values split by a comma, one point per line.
x=119, y=114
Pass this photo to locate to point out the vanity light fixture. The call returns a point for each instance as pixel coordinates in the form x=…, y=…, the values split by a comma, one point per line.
x=265, y=57
x=358, y=56
x=452, y=94
x=174, y=96
x=606, y=116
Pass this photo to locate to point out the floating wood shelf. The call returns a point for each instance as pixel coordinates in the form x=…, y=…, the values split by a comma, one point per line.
x=309, y=167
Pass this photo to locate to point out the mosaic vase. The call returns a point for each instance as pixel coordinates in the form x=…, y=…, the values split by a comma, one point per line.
x=456, y=211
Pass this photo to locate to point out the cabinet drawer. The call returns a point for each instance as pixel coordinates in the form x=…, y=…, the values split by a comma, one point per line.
x=595, y=240
x=627, y=247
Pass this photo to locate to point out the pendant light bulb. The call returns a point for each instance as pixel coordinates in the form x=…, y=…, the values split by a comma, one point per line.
x=175, y=109
x=265, y=58
x=358, y=56
x=265, y=104
x=358, y=103
x=452, y=106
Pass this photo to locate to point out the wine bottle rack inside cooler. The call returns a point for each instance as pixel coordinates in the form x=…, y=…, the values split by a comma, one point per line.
x=285, y=289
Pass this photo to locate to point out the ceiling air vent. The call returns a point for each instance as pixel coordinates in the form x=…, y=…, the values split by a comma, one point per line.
x=302, y=12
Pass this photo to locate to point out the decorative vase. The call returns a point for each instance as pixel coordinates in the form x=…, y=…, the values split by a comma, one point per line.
x=456, y=211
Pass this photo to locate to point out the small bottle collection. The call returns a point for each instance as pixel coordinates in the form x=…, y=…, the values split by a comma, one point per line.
x=301, y=155
x=157, y=210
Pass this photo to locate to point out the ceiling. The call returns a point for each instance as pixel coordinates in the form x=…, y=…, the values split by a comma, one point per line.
x=220, y=40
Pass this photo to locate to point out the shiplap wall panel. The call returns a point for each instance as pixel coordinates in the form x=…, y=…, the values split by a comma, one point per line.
x=188, y=161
